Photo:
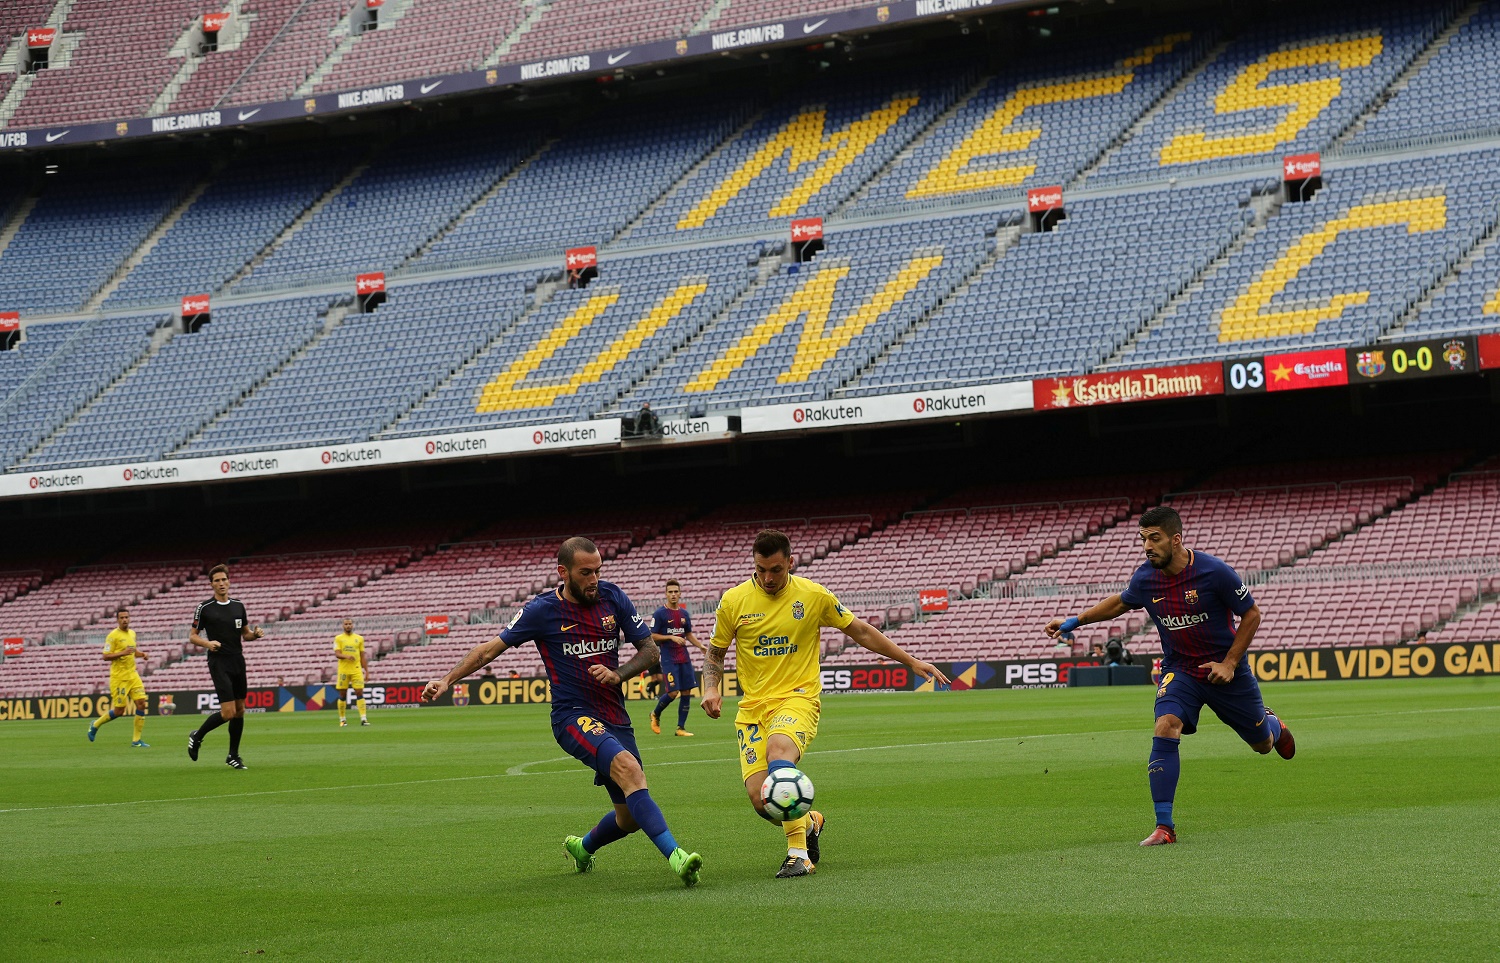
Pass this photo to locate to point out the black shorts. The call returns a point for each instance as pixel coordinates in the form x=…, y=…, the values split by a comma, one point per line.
x=229, y=680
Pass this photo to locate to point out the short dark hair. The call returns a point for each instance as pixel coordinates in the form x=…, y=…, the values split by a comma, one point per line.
x=672, y=581
x=572, y=547
x=121, y=608
x=768, y=541
x=1163, y=518
x=221, y=567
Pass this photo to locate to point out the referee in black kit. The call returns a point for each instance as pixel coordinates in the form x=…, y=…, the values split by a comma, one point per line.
x=220, y=625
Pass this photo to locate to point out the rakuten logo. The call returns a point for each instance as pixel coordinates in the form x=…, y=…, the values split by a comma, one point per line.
x=1174, y=622
x=939, y=403
x=681, y=429
x=563, y=435
x=450, y=446
x=235, y=466
x=583, y=650
x=824, y=413
x=151, y=473
x=351, y=457
x=44, y=482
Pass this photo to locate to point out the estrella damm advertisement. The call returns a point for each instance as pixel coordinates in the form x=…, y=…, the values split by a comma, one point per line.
x=1442, y=660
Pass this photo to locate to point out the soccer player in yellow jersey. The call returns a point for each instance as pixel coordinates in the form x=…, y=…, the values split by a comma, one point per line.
x=353, y=663
x=773, y=620
x=124, y=681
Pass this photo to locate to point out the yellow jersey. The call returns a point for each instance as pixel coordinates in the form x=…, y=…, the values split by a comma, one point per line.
x=776, y=637
x=350, y=646
x=124, y=667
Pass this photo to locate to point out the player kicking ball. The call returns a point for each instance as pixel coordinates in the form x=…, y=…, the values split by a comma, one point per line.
x=1194, y=599
x=577, y=629
x=353, y=663
x=124, y=681
x=773, y=621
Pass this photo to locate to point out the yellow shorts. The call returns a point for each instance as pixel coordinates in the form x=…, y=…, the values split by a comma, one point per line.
x=123, y=692
x=350, y=680
x=795, y=717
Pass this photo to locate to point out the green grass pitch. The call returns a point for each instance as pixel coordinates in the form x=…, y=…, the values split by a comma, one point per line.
x=965, y=826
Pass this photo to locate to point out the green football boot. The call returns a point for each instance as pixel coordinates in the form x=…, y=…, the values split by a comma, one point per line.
x=583, y=860
x=686, y=865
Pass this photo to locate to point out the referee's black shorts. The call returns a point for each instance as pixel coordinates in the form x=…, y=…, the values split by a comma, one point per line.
x=229, y=679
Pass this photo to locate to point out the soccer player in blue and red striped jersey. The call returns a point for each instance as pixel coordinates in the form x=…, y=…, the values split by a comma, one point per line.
x=671, y=626
x=1194, y=600
x=577, y=629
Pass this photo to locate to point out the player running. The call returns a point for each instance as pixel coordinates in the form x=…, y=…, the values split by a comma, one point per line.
x=773, y=620
x=1194, y=599
x=124, y=681
x=670, y=625
x=349, y=649
x=577, y=629
x=220, y=625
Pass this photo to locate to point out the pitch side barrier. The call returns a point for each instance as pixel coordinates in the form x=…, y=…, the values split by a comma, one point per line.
x=1397, y=361
x=1441, y=661
x=654, y=54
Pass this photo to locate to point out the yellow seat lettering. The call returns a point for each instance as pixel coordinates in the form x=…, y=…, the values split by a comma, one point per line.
x=814, y=301
x=507, y=392
x=1251, y=315
x=1305, y=100
x=806, y=139
x=993, y=136
x=1492, y=306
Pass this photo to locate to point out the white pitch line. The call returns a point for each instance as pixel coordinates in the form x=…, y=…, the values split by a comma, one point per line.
x=520, y=769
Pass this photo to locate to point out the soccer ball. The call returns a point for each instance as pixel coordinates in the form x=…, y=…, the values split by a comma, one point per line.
x=787, y=794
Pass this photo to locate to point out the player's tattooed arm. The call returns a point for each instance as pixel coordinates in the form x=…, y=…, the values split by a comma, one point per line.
x=479, y=657
x=1220, y=673
x=876, y=641
x=646, y=656
x=712, y=699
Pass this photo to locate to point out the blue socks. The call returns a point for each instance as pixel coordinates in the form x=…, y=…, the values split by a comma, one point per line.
x=663, y=702
x=647, y=815
x=682, y=710
x=1163, y=769
x=776, y=764
x=603, y=834
x=1274, y=724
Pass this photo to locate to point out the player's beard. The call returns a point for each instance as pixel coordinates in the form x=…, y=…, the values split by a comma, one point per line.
x=590, y=594
x=1160, y=562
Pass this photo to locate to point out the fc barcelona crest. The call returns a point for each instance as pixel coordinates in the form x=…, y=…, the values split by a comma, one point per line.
x=797, y=610
x=609, y=624
x=681, y=47
x=882, y=14
x=1371, y=364
x=490, y=76
x=166, y=704
x=461, y=694
x=310, y=104
x=122, y=128
x=1190, y=596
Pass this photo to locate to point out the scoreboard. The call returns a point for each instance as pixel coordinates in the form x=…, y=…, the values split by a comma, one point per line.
x=1396, y=361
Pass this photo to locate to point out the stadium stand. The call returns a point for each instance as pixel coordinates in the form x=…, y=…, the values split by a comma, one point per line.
x=405, y=197
x=1057, y=321
x=1036, y=124
x=371, y=368
x=85, y=223
x=259, y=195
x=88, y=595
x=85, y=364
x=258, y=25
x=1341, y=269
x=295, y=50
x=555, y=201
x=1295, y=83
x=1426, y=105
x=863, y=291
x=169, y=396
x=571, y=26
x=570, y=358
x=804, y=156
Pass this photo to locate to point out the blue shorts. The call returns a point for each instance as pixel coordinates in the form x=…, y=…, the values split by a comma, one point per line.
x=595, y=744
x=1237, y=703
x=680, y=677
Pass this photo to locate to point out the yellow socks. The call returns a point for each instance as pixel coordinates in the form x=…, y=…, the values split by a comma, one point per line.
x=796, y=835
x=343, y=711
x=360, y=703
x=102, y=720
x=140, y=726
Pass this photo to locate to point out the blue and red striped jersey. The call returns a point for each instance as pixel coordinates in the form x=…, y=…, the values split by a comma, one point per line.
x=1194, y=610
x=676, y=623
x=571, y=638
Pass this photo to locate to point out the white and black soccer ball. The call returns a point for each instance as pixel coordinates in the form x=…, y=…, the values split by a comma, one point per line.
x=787, y=794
